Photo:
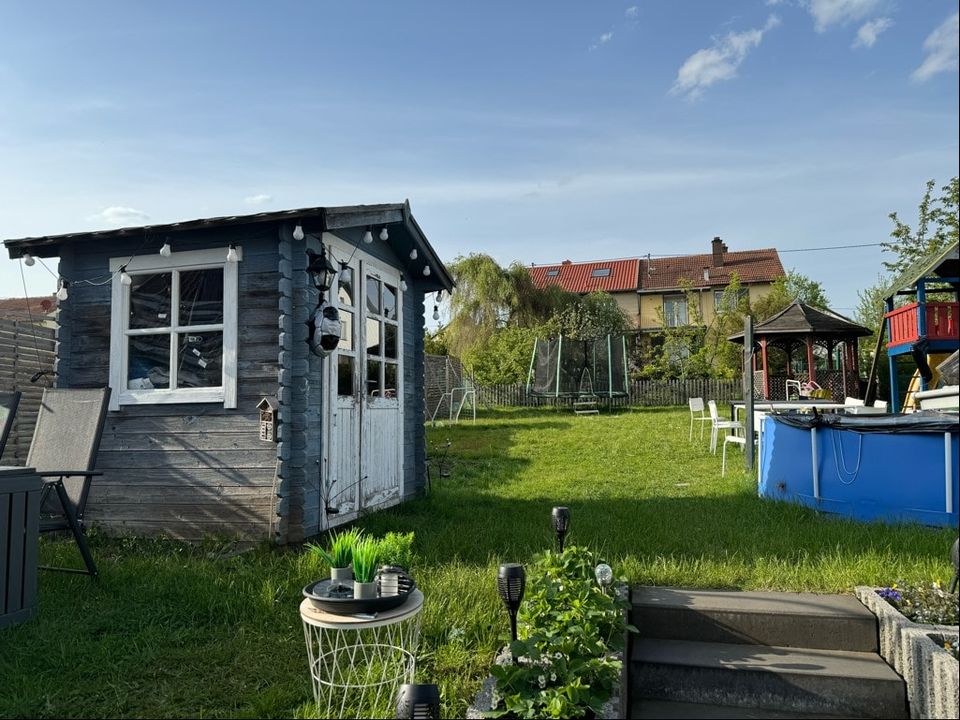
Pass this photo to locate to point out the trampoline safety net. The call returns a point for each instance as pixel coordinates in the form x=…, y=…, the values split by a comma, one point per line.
x=562, y=367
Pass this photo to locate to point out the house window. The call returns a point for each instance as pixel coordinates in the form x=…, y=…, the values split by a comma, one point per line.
x=727, y=302
x=675, y=310
x=174, y=329
x=601, y=272
x=552, y=273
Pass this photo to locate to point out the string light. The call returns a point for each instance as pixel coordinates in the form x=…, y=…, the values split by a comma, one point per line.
x=384, y=235
x=165, y=250
x=62, y=293
x=426, y=270
x=403, y=283
x=368, y=237
x=232, y=254
x=298, y=233
x=413, y=254
x=125, y=278
x=436, y=313
x=28, y=260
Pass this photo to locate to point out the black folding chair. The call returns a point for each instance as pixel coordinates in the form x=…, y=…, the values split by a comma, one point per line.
x=8, y=409
x=64, y=453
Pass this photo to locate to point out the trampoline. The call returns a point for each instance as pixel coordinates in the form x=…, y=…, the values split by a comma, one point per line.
x=566, y=368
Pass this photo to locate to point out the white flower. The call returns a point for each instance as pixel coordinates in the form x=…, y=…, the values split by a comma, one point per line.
x=553, y=677
x=542, y=680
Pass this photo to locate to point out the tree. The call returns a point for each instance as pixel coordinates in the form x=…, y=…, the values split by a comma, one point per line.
x=591, y=316
x=937, y=227
x=784, y=291
x=869, y=313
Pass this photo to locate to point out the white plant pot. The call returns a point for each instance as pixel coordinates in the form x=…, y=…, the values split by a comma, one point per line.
x=364, y=590
x=343, y=575
x=389, y=584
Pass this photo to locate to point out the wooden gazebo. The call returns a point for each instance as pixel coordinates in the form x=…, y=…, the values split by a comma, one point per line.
x=801, y=328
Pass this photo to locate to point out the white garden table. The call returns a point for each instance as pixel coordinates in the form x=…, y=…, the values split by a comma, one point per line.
x=358, y=662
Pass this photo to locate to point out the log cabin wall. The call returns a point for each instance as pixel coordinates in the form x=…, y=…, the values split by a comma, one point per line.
x=185, y=470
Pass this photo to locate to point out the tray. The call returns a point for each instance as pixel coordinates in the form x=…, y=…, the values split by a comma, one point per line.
x=334, y=597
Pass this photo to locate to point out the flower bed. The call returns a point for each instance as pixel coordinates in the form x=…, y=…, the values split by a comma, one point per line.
x=916, y=650
x=568, y=653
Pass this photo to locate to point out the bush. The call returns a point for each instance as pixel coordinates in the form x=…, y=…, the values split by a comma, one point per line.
x=569, y=626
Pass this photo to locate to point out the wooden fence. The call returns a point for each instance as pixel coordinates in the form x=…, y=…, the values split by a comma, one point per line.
x=642, y=393
x=25, y=349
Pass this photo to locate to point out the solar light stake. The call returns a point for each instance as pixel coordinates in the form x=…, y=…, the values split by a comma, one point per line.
x=955, y=556
x=561, y=524
x=421, y=702
x=511, y=582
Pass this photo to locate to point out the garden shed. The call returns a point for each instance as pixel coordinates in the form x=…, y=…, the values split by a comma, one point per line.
x=226, y=415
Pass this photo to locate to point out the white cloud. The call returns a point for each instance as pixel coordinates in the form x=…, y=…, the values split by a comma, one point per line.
x=119, y=215
x=258, y=199
x=942, y=49
x=604, y=39
x=632, y=12
x=869, y=32
x=840, y=12
x=720, y=62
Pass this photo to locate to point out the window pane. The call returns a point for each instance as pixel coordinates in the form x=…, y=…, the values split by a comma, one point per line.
x=346, y=286
x=390, y=380
x=344, y=375
x=389, y=302
x=373, y=378
x=346, y=330
x=373, y=295
x=200, y=360
x=150, y=301
x=675, y=311
x=373, y=336
x=148, y=362
x=201, y=297
x=389, y=340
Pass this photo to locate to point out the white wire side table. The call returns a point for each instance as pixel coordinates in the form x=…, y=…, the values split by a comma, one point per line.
x=358, y=662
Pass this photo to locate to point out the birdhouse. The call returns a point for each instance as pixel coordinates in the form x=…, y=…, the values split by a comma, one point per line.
x=268, y=419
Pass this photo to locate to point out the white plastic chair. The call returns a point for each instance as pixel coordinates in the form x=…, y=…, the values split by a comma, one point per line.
x=696, y=406
x=717, y=425
x=882, y=404
x=758, y=418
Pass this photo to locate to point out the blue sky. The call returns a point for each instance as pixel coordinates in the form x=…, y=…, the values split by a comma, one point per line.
x=533, y=131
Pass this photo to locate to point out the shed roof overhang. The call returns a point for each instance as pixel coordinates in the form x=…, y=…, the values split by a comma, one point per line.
x=314, y=219
x=943, y=263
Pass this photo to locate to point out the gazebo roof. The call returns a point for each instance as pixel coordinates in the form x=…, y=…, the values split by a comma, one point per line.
x=799, y=320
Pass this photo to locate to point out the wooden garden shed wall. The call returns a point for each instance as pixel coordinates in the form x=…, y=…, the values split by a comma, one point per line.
x=183, y=470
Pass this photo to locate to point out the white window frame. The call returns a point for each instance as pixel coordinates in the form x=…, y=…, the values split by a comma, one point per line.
x=673, y=321
x=120, y=318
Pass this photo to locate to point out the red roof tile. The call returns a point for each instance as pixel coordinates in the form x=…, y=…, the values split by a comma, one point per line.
x=751, y=266
x=580, y=278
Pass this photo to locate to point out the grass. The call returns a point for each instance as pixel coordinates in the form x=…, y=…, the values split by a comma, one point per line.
x=172, y=630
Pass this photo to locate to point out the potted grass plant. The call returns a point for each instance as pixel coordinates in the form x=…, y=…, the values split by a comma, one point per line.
x=396, y=557
x=366, y=554
x=340, y=555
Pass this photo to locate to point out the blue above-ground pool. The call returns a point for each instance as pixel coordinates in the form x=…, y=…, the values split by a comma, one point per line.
x=897, y=468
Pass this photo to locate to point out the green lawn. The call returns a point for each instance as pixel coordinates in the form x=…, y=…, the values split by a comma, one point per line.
x=173, y=630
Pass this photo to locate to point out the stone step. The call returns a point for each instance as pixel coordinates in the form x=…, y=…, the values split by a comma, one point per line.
x=784, y=679
x=802, y=620
x=666, y=709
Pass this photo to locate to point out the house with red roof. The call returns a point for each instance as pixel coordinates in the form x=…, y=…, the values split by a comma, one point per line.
x=646, y=287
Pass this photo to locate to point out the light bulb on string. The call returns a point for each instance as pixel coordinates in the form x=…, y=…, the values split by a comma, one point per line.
x=298, y=233
x=368, y=237
x=426, y=270
x=28, y=260
x=403, y=284
x=436, y=313
x=165, y=250
x=62, y=293
x=125, y=278
x=414, y=254
x=232, y=256
x=384, y=235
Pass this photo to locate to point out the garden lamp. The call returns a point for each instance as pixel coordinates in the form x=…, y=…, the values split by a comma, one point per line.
x=604, y=575
x=321, y=269
x=561, y=524
x=418, y=701
x=511, y=582
x=955, y=555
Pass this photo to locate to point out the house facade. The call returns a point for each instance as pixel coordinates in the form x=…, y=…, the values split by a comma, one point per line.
x=199, y=326
x=647, y=289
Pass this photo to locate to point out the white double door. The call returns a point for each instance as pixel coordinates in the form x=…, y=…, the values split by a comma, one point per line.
x=363, y=417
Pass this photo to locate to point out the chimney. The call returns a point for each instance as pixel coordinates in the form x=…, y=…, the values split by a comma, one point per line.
x=566, y=262
x=718, y=248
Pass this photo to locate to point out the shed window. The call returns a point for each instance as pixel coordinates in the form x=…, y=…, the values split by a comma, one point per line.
x=174, y=329
x=601, y=272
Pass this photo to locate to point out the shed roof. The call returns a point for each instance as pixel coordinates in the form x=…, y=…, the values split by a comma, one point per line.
x=586, y=277
x=801, y=319
x=314, y=219
x=751, y=266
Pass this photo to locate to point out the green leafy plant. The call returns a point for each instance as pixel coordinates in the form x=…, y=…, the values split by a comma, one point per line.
x=569, y=628
x=342, y=547
x=396, y=549
x=366, y=555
